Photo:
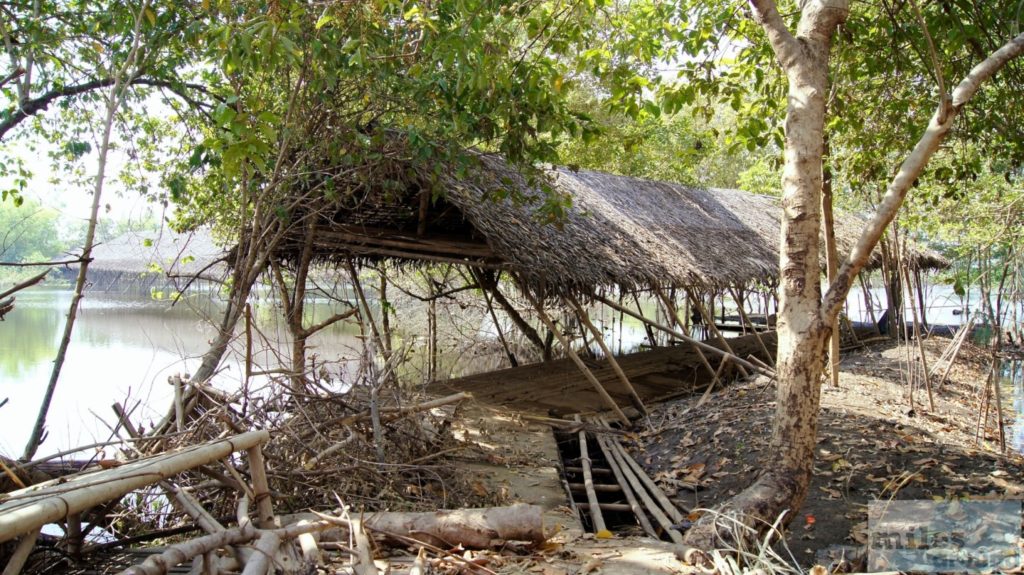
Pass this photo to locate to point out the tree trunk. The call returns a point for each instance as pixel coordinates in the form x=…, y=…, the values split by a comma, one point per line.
x=802, y=332
x=805, y=318
x=113, y=103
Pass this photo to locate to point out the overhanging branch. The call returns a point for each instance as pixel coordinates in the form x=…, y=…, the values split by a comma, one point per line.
x=911, y=169
x=29, y=108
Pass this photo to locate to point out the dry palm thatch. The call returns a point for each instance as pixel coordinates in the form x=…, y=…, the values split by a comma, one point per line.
x=162, y=251
x=616, y=231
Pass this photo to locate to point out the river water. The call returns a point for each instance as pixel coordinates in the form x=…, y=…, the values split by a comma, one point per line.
x=125, y=346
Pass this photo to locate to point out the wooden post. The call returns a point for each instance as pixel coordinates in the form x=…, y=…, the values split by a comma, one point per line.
x=675, y=319
x=686, y=338
x=73, y=534
x=248, y=344
x=710, y=322
x=588, y=482
x=261, y=488
x=179, y=403
x=552, y=328
x=585, y=319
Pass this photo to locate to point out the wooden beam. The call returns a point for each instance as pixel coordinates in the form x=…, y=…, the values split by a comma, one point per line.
x=582, y=314
x=576, y=359
x=398, y=239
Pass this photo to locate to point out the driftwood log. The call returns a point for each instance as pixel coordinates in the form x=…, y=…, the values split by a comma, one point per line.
x=480, y=528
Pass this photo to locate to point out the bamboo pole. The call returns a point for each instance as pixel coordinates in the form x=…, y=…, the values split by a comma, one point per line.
x=956, y=351
x=25, y=546
x=588, y=482
x=26, y=509
x=478, y=277
x=686, y=338
x=599, y=337
x=638, y=487
x=670, y=509
x=709, y=321
x=261, y=488
x=674, y=313
x=918, y=336
x=73, y=535
x=264, y=551
x=553, y=329
x=753, y=329
x=999, y=404
x=627, y=489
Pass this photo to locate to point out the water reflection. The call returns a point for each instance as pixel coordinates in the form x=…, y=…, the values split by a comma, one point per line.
x=1013, y=384
x=123, y=348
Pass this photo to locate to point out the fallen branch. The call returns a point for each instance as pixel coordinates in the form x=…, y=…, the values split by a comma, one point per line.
x=25, y=284
x=175, y=555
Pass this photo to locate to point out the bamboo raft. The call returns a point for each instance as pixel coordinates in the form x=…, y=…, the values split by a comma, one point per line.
x=558, y=388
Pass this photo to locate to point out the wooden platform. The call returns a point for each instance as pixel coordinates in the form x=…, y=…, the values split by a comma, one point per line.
x=558, y=388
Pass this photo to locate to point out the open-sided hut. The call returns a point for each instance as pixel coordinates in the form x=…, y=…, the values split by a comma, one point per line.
x=141, y=259
x=613, y=233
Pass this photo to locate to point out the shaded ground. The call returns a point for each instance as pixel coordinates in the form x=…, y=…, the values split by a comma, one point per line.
x=871, y=445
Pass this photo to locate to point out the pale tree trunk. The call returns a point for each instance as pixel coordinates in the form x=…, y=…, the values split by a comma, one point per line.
x=805, y=319
x=113, y=102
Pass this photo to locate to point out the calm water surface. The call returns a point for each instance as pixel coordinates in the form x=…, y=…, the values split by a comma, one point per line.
x=123, y=348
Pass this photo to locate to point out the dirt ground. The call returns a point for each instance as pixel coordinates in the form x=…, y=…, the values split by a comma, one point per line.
x=872, y=446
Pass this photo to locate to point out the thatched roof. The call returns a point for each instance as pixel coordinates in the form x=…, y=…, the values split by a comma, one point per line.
x=628, y=232
x=160, y=251
x=618, y=231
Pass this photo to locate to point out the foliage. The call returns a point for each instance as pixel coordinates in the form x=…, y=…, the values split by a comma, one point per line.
x=684, y=147
x=333, y=101
x=28, y=232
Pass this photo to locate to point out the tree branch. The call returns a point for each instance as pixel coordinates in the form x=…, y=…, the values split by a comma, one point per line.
x=29, y=108
x=939, y=78
x=328, y=322
x=785, y=45
x=32, y=264
x=911, y=169
x=25, y=284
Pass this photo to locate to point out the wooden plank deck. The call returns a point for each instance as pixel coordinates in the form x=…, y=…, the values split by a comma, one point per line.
x=558, y=388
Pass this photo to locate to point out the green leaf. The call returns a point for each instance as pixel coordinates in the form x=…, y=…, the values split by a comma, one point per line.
x=324, y=20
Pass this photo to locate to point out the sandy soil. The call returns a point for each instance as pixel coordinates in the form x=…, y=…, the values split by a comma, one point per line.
x=872, y=445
